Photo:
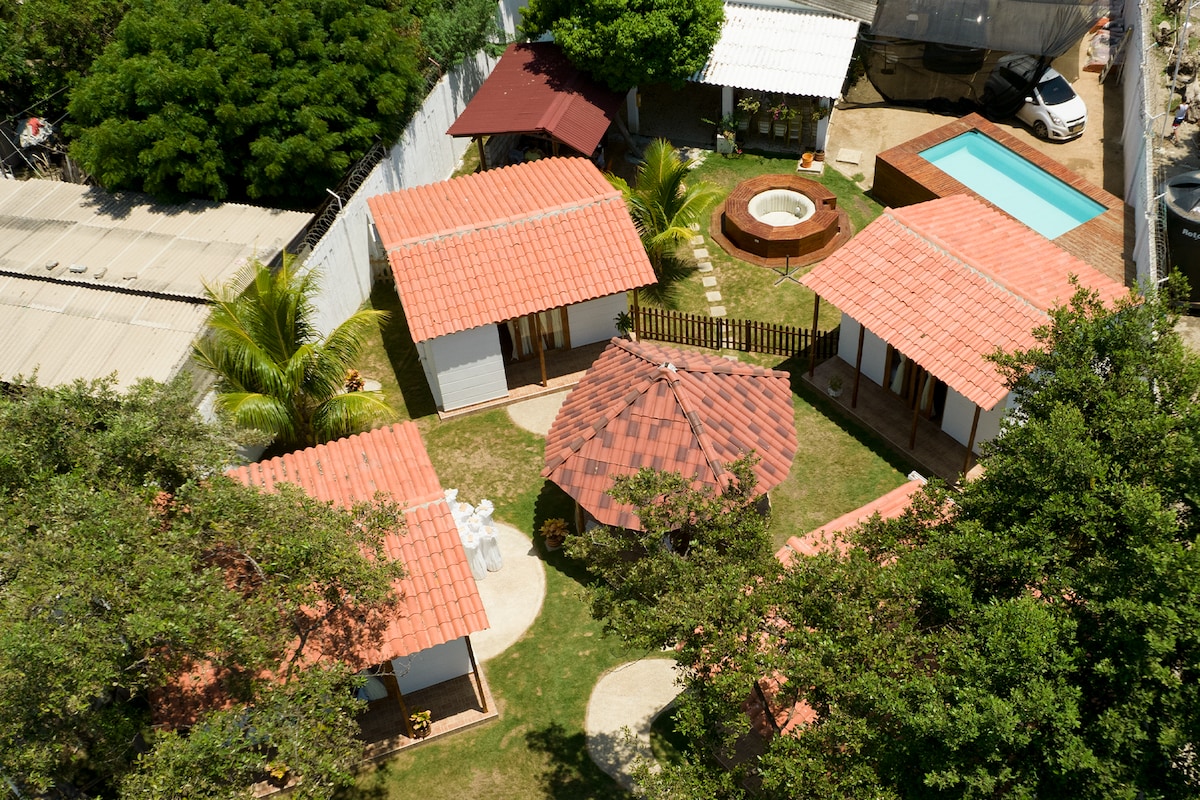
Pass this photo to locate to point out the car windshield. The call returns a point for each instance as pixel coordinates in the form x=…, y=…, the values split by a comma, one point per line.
x=1055, y=91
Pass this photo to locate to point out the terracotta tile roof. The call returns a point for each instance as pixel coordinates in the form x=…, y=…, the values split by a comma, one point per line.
x=441, y=601
x=630, y=411
x=888, y=506
x=535, y=89
x=948, y=281
x=506, y=242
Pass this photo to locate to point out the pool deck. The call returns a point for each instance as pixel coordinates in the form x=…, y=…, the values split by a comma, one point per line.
x=904, y=177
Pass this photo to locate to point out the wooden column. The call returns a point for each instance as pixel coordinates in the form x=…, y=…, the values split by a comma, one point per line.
x=912, y=433
x=483, y=165
x=812, y=349
x=862, y=332
x=393, y=686
x=971, y=442
x=475, y=670
x=537, y=345
x=637, y=318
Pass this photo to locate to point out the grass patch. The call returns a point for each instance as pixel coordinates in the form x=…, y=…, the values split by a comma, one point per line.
x=666, y=742
x=749, y=291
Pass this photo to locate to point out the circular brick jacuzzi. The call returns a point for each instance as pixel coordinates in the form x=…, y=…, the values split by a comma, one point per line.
x=780, y=216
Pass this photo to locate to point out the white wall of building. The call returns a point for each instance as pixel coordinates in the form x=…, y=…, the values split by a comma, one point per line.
x=434, y=665
x=593, y=321
x=425, y=355
x=874, y=358
x=960, y=412
x=468, y=365
x=424, y=154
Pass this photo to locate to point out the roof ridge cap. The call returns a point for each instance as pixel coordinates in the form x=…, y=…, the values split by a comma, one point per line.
x=683, y=397
x=504, y=222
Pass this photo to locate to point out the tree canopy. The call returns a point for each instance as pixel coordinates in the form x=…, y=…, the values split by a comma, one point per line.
x=1036, y=634
x=630, y=42
x=275, y=373
x=265, y=99
x=128, y=560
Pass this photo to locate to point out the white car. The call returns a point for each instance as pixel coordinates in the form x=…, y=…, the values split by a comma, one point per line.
x=1053, y=110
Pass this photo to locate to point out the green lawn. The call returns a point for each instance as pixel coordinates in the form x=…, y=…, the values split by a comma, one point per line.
x=748, y=291
x=542, y=684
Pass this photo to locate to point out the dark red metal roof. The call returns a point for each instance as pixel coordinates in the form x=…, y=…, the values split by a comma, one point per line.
x=535, y=89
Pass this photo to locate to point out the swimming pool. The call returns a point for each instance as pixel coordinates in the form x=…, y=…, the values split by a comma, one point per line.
x=1009, y=182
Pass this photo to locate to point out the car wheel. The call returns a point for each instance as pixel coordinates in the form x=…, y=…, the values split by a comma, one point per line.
x=1039, y=128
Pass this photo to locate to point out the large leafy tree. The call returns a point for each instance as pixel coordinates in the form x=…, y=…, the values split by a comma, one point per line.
x=46, y=46
x=1034, y=635
x=275, y=373
x=664, y=205
x=630, y=42
x=127, y=561
x=265, y=99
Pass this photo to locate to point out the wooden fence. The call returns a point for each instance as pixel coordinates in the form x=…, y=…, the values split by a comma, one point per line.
x=720, y=333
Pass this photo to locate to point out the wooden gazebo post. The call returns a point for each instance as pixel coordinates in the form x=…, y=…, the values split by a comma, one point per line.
x=971, y=441
x=537, y=345
x=475, y=670
x=483, y=165
x=912, y=433
x=862, y=332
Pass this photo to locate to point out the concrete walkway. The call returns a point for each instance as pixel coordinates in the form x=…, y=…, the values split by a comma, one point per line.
x=512, y=596
x=537, y=415
x=624, y=702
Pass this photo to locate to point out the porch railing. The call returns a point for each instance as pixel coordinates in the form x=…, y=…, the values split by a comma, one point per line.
x=721, y=333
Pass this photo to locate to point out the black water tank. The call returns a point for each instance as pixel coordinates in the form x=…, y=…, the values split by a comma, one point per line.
x=1183, y=228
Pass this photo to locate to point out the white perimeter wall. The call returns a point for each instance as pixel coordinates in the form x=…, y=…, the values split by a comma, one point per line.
x=464, y=368
x=424, y=154
x=593, y=321
x=434, y=665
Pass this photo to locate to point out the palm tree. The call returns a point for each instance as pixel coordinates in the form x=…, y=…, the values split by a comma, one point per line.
x=664, y=206
x=275, y=373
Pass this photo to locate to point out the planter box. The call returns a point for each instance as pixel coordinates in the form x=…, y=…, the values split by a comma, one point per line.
x=724, y=146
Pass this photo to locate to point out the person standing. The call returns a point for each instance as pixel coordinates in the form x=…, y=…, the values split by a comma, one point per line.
x=1180, y=115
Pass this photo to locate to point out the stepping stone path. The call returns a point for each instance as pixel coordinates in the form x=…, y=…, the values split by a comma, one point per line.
x=704, y=264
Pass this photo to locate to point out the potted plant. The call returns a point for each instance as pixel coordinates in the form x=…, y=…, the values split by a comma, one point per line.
x=806, y=159
x=835, y=386
x=781, y=114
x=726, y=133
x=554, y=531
x=624, y=324
x=421, y=722
x=747, y=107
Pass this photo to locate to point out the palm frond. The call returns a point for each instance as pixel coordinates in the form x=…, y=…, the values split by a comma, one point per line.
x=351, y=412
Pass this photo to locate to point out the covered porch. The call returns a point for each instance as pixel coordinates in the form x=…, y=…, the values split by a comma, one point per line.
x=454, y=705
x=932, y=451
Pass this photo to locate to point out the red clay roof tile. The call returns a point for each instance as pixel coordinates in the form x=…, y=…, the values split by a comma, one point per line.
x=630, y=412
x=948, y=281
x=441, y=602
x=507, y=242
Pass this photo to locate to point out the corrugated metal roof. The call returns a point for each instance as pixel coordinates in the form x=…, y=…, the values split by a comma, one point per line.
x=535, y=89
x=781, y=50
x=858, y=10
x=950, y=280
x=695, y=416
x=137, y=243
x=507, y=242
x=441, y=601
x=86, y=325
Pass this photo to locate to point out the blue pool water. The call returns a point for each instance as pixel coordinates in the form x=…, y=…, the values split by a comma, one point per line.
x=1011, y=183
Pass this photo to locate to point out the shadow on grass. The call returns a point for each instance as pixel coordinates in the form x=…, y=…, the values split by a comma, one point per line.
x=571, y=772
x=796, y=366
x=402, y=353
x=552, y=502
